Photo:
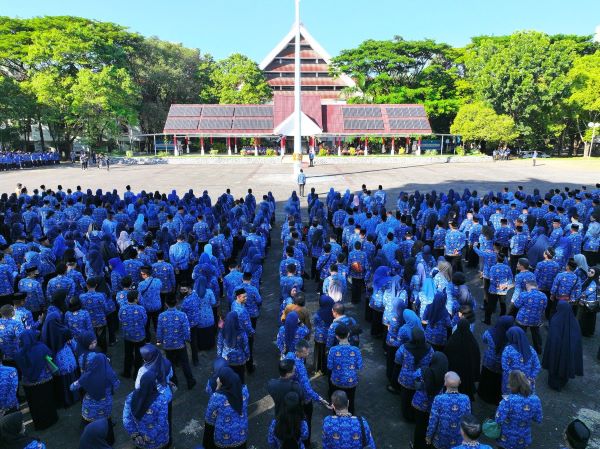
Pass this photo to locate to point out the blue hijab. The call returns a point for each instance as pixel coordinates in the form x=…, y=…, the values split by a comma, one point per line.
x=97, y=377
x=96, y=262
x=498, y=332
x=31, y=359
x=139, y=223
x=325, y=313
x=436, y=311
x=117, y=266
x=59, y=246
x=381, y=277
x=155, y=362
x=291, y=327
x=94, y=435
x=84, y=340
x=231, y=387
x=231, y=329
x=219, y=363
x=54, y=333
x=518, y=340
x=200, y=286
x=143, y=397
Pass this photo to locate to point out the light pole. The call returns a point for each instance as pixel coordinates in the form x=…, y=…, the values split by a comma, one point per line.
x=593, y=126
x=297, y=98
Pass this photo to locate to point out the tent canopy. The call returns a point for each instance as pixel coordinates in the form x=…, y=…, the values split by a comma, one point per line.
x=307, y=126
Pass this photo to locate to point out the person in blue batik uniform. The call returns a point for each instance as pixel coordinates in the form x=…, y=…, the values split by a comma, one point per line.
x=7, y=280
x=454, y=243
x=232, y=281
x=172, y=334
x=239, y=306
x=501, y=280
x=232, y=344
x=359, y=271
x=97, y=435
x=35, y=296
x=345, y=362
x=566, y=286
x=12, y=433
x=98, y=381
x=56, y=336
x=470, y=430
x=10, y=330
x=411, y=356
x=344, y=431
x=78, y=319
x=36, y=379
x=531, y=304
x=382, y=280
x=253, y=298
x=516, y=412
x=429, y=383
x=133, y=320
x=322, y=320
x=289, y=427
x=490, y=382
x=149, y=290
x=145, y=415
x=437, y=322
x=95, y=303
x=61, y=282
x=519, y=355
x=227, y=411
x=9, y=383
x=290, y=333
x=443, y=430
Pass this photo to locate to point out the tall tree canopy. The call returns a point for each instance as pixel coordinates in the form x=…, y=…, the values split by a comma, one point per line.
x=238, y=80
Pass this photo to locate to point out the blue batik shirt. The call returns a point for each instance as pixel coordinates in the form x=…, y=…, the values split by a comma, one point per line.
x=10, y=329
x=153, y=426
x=566, y=285
x=444, y=420
x=180, y=255
x=133, y=267
x=78, y=280
x=231, y=428
x=35, y=300
x=344, y=432
x=503, y=235
x=545, y=273
x=79, y=322
x=230, y=282
x=513, y=360
x=287, y=283
x=173, y=329
x=301, y=376
x=515, y=414
x=531, y=305
x=60, y=282
x=518, y=243
x=501, y=279
x=237, y=354
x=521, y=280
x=360, y=257
x=9, y=383
x=133, y=319
x=345, y=362
x=491, y=359
x=406, y=360
x=454, y=242
x=95, y=304
x=243, y=317
x=253, y=300
x=302, y=332
x=149, y=290
x=6, y=280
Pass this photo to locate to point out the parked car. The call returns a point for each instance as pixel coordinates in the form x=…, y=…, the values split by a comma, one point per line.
x=529, y=154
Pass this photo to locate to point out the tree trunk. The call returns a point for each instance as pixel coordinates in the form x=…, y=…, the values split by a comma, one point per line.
x=41, y=130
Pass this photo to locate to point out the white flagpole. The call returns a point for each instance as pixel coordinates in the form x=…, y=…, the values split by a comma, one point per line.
x=297, y=98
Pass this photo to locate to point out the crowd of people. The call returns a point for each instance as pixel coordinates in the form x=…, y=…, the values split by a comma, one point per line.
x=177, y=275
x=18, y=160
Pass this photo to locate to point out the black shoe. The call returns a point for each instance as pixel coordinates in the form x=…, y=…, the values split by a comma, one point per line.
x=192, y=384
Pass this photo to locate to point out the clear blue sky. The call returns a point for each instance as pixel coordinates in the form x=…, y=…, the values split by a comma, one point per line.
x=222, y=27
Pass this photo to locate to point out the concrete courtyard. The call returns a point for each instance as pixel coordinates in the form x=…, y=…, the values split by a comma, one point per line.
x=579, y=399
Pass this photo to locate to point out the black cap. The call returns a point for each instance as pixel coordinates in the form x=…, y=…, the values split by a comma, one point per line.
x=577, y=434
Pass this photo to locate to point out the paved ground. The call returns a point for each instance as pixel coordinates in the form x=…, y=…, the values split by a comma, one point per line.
x=579, y=399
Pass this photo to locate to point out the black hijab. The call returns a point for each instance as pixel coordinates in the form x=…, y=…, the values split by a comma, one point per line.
x=563, y=353
x=417, y=346
x=433, y=375
x=464, y=356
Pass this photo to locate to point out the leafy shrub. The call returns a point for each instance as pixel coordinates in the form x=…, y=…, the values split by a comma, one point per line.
x=401, y=150
x=271, y=152
x=431, y=153
x=129, y=153
x=219, y=147
x=214, y=152
x=460, y=151
x=352, y=151
x=323, y=152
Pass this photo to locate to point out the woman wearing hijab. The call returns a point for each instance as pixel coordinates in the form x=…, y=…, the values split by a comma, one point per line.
x=411, y=320
x=97, y=435
x=289, y=428
x=56, y=336
x=97, y=382
x=392, y=343
x=94, y=265
x=437, y=322
x=36, y=378
x=562, y=252
x=145, y=415
x=519, y=355
x=588, y=303
x=410, y=357
x=123, y=243
x=430, y=382
x=232, y=344
x=381, y=282
x=322, y=320
x=464, y=357
x=117, y=273
x=582, y=267
x=444, y=275
x=207, y=310
x=211, y=387
x=490, y=382
x=290, y=333
x=227, y=411
x=516, y=412
x=563, y=354
x=12, y=434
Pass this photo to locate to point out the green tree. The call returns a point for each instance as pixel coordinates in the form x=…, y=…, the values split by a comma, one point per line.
x=478, y=123
x=238, y=80
x=585, y=94
x=400, y=71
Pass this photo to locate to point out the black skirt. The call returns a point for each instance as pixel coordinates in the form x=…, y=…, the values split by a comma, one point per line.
x=63, y=395
x=41, y=402
x=490, y=386
x=208, y=439
x=587, y=321
x=206, y=338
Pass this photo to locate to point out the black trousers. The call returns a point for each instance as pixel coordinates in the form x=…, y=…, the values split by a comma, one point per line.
x=358, y=286
x=490, y=308
x=550, y=305
x=132, y=357
x=406, y=397
x=455, y=261
x=152, y=317
x=421, y=423
x=313, y=268
x=486, y=291
x=112, y=322
x=536, y=337
x=101, y=338
x=350, y=392
x=194, y=345
x=180, y=356
x=240, y=370
x=514, y=259
x=377, y=328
